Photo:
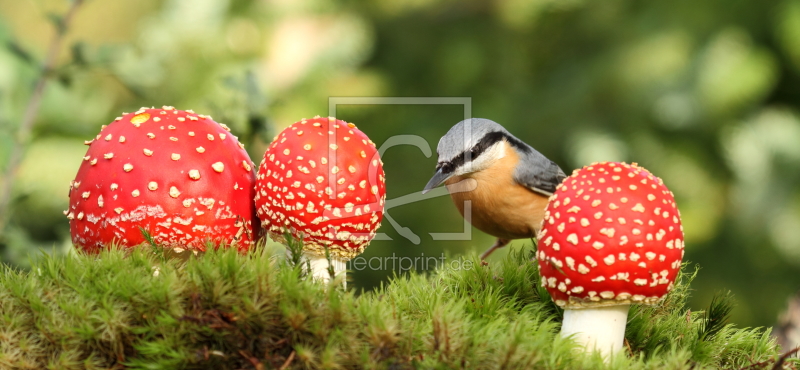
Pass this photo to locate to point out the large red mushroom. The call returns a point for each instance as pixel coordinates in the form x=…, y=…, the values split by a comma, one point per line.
x=611, y=237
x=322, y=181
x=176, y=174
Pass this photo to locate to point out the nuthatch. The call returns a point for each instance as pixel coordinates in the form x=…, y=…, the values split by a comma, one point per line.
x=507, y=182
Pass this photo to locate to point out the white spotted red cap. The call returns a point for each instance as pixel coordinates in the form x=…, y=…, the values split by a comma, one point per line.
x=611, y=236
x=322, y=180
x=143, y=170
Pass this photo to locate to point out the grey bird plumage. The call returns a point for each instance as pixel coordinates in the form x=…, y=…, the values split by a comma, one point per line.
x=458, y=145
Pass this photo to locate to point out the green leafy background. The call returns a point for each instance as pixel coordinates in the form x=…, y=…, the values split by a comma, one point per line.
x=703, y=94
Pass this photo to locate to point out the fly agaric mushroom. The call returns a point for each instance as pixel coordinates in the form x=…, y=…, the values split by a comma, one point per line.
x=176, y=174
x=611, y=237
x=322, y=181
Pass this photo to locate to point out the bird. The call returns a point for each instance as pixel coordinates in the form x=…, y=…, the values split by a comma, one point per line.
x=504, y=182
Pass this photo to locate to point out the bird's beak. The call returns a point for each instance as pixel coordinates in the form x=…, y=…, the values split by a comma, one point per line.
x=438, y=178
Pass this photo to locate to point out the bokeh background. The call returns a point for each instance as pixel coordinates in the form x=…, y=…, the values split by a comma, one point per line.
x=705, y=94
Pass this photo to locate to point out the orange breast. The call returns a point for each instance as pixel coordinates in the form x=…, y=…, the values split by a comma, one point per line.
x=499, y=205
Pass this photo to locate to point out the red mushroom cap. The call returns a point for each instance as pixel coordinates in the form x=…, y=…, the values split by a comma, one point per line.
x=611, y=235
x=322, y=180
x=179, y=175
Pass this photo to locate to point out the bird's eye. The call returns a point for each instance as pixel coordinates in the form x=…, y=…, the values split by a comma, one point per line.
x=448, y=167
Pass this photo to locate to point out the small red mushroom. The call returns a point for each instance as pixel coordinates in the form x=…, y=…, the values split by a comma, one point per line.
x=177, y=174
x=611, y=237
x=322, y=181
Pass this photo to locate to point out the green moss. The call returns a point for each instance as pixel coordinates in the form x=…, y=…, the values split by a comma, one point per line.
x=229, y=311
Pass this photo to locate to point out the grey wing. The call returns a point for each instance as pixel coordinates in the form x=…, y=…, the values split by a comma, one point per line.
x=538, y=173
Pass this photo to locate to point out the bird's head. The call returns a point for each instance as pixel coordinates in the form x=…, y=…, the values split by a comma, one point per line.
x=472, y=145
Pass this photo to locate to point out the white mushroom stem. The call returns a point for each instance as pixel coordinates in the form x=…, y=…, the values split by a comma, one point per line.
x=319, y=267
x=597, y=329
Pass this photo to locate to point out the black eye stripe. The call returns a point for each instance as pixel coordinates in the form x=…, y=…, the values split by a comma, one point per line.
x=484, y=144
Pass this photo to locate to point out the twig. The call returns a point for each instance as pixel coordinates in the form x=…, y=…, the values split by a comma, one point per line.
x=254, y=361
x=288, y=362
x=31, y=111
x=778, y=363
x=628, y=345
x=782, y=359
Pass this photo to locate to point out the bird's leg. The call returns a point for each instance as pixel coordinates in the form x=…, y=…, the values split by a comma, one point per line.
x=500, y=243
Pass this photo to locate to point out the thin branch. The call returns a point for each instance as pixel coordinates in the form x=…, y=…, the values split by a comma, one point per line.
x=784, y=357
x=23, y=135
x=288, y=361
x=778, y=363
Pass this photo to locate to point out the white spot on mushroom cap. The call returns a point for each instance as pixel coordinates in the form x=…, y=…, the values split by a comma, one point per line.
x=572, y=238
x=218, y=166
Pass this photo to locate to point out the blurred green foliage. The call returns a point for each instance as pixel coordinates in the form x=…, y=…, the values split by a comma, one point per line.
x=703, y=94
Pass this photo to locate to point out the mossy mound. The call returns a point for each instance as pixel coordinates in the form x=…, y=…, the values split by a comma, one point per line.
x=224, y=310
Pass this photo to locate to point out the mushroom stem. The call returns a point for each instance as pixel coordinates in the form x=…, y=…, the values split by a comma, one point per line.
x=597, y=329
x=319, y=267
